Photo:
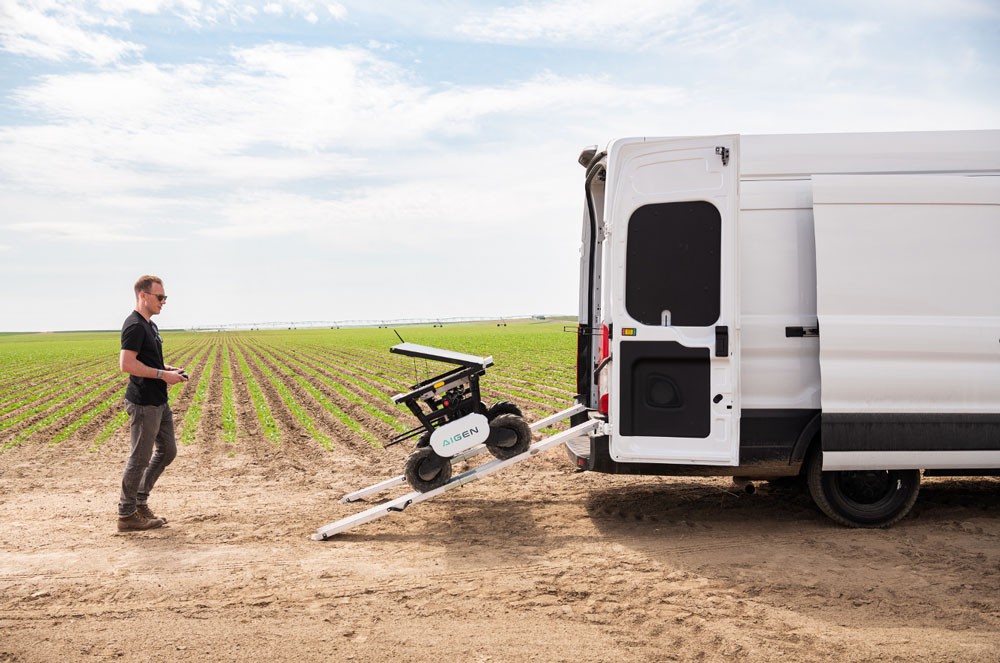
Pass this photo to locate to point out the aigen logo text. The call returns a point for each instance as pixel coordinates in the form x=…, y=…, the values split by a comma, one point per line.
x=458, y=436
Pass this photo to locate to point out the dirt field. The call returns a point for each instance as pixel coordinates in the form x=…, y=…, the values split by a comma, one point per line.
x=537, y=563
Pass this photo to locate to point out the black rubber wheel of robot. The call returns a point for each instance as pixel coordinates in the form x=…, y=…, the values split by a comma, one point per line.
x=519, y=445
x=503, y=407
x=862, y=498
x=425, y=470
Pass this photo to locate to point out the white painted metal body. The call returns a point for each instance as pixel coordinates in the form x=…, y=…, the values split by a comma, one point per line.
x=895, y=220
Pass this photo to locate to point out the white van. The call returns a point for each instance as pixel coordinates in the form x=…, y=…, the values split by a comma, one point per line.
x=768, y=306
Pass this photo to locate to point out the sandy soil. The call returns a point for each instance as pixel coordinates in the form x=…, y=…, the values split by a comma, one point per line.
x=536, y=563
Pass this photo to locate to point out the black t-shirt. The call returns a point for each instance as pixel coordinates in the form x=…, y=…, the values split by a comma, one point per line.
x=143, y=337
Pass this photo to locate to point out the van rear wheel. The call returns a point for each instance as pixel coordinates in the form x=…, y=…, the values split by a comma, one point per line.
x=862, y=498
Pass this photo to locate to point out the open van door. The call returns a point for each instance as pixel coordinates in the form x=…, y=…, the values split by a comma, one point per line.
x=672, y=270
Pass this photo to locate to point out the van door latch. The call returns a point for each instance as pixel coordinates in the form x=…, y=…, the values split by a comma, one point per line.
x=722, y=341
x=724, y=153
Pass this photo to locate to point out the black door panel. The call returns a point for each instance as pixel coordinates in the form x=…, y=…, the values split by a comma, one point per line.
x=664, y=389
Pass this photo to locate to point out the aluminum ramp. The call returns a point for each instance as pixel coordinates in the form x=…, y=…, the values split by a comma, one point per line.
x=400, y=503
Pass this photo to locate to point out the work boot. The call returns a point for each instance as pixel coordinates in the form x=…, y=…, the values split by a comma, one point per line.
x=146, y=512
x=137, y=522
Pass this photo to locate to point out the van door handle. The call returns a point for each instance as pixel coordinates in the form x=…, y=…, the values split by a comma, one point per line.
x=802, y=332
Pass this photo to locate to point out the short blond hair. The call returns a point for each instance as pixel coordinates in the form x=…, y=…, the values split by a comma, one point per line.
x=145, y=283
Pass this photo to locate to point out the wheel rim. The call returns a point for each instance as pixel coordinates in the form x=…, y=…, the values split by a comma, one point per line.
x=429, y=469
x=505, y=438
x=867, y=488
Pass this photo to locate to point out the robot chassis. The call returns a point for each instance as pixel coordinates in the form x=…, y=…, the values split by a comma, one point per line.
x=454, y=419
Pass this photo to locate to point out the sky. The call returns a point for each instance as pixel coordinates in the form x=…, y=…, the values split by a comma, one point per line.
x=296, y=161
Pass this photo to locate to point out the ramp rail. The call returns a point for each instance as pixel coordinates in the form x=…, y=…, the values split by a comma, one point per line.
x=399, y=504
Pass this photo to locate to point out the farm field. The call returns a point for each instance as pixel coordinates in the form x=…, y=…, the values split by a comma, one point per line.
x=324, y=385
x=535, y=563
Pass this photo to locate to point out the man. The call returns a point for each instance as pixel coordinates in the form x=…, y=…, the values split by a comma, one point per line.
x=150, y=420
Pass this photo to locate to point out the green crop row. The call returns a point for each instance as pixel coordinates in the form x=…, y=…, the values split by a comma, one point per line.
x=67, y=409
x=290, y=402
x=228, y=399
x=267, y=423
x=42, y=402
x=347, y=393
x=344, y=417
x=193, y=414
x=87, y=417
x=346, y=371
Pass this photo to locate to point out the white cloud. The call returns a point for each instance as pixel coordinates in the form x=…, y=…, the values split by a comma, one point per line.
x=580, y=21
x=82, y=232
x=273, y=114
x=52, y=31
x=934, y=9
x=280, y=132
x=337, y=10
x=63, y=30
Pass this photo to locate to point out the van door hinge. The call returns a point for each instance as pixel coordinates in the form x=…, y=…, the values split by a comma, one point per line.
x=724, y=153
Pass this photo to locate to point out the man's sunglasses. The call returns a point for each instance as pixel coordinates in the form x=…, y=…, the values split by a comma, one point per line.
x=162, y=298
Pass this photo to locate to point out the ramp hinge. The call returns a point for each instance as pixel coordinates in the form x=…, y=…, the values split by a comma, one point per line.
x=724, y=153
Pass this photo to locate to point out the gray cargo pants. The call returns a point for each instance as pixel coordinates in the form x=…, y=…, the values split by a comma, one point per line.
x=152, y=426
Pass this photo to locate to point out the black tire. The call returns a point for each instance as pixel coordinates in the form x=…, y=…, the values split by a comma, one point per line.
x=503, y=407
x=501, y=443
x=425, y=470
x=862, y=498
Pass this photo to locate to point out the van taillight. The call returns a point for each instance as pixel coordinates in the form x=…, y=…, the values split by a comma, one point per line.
x=604, y=374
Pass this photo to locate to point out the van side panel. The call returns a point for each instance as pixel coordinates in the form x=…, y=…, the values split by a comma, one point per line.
x=908, y=297
x=778, y=292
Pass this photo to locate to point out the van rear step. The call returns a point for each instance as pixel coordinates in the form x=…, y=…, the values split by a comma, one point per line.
x=579, y=450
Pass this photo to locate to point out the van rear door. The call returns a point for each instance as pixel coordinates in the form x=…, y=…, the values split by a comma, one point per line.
x=590, y=279
x=672, y=271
